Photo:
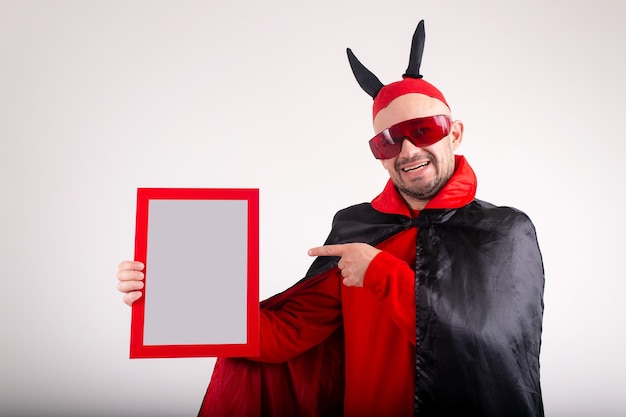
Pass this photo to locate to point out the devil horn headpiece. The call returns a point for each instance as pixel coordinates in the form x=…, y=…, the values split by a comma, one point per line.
x=412, y=81
x=370, y=83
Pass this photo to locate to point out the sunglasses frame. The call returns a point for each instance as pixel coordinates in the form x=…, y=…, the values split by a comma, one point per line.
x=388, y=143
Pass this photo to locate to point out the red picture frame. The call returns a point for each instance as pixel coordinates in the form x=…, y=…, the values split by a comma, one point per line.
x=192, y=242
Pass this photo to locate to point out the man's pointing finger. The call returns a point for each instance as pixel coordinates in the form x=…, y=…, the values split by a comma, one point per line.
x=327, y=250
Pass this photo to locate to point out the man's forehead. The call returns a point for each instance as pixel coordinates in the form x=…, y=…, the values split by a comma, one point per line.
x=408, y=106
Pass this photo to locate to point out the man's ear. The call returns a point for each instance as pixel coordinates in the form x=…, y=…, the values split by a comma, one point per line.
x=456, y=134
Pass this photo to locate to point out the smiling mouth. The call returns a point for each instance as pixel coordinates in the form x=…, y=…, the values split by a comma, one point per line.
x=415, y=167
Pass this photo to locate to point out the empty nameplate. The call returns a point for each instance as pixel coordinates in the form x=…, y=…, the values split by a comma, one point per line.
x=200, y=248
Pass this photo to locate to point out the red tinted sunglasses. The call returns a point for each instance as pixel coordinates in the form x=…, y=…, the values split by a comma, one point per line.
x=422, y=131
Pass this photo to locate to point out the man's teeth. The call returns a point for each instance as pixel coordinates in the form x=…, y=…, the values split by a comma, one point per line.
x=414, y=167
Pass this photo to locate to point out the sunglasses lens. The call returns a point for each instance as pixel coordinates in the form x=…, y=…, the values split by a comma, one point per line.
x=384, y=145
x=423, y=131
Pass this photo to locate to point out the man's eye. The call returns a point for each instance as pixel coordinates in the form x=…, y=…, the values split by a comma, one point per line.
x=421, y=131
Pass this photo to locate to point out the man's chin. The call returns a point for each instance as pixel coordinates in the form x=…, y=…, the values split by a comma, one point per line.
x=423, y=192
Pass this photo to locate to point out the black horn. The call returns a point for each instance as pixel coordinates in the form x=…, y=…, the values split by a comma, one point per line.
x=417, y=49
x=366, y=79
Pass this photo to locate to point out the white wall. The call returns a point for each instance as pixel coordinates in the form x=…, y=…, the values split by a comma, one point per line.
x=98, y=98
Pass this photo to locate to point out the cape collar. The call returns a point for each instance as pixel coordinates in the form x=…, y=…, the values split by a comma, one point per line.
x=459, y=191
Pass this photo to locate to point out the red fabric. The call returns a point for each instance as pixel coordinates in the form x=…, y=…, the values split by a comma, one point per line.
x=308, y=385
x=379, y=325
x=408, y=85
x=301, y=335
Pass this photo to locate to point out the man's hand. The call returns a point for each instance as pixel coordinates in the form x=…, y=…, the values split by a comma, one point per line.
x=130, y=280
x=355, y=258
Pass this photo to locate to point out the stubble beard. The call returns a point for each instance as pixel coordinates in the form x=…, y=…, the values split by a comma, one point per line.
x=419, y=190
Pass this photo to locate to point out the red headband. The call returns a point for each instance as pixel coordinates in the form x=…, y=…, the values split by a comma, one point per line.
x=408, y=85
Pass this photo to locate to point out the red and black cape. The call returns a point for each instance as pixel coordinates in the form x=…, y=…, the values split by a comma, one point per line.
x=479, y=283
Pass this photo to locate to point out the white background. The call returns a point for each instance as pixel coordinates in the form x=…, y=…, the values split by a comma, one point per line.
x=98, y=98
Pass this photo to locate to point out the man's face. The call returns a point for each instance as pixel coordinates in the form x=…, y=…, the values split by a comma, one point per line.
x=419, y=172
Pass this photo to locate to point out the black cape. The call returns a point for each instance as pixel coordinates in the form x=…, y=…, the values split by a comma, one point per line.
x=479, y=283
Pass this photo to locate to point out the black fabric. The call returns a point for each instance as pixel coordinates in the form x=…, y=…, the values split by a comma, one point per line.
x=479, y=298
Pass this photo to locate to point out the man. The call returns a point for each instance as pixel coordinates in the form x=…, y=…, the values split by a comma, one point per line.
x=423, y=302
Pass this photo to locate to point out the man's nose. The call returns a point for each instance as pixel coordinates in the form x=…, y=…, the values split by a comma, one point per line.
x=408, y=148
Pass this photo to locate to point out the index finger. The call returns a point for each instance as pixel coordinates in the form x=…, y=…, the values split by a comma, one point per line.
x=131, y=265
x=327, y=250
